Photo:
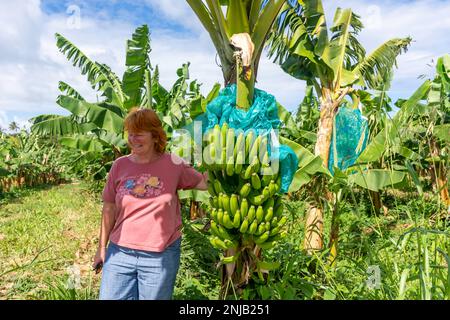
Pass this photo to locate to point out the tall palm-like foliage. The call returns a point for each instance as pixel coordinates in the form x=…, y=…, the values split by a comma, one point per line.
x=334, y=62
x=253, y=17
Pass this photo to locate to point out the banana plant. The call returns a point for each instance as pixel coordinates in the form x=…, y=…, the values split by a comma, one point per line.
x=334, y=62
x=251, y=17
x=97, y=127
x=424, y=117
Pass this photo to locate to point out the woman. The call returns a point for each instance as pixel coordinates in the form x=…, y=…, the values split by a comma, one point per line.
x=141, y=216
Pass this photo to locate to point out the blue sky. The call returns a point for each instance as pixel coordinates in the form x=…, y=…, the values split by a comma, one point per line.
x=32, y=66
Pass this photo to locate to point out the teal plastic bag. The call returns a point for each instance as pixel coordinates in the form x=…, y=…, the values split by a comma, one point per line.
x=350, y=136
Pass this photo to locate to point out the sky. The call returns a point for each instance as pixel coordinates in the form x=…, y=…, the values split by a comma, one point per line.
x=31, y=65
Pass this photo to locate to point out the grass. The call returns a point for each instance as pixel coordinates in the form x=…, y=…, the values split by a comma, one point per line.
x=48, y=234
x=43, y=234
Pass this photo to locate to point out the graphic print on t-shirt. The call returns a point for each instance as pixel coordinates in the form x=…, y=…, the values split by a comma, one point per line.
x=142, y=186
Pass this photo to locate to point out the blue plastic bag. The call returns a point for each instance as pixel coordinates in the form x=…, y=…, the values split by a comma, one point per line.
x=350, y=136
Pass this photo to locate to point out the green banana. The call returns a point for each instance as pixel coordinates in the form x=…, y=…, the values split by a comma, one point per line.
x=279, y=210
x=227, y=220
x=262, y=150
x=212, y=155
x=230, y=143
x=216, y=134
x=226, y=202
x=251, y=214
x=234, y=204
x=230, y=244
x=275, y=230
x=282, y=221
x=220, y=216
x=214, y=228
x=256, y=199
x=237, y=219
x=253, y=227
x=219, y=244
x=217, y=186
x=214, y=214
x=259, y=214
x=254, y=150
x=267, y=176
x=239, y=163
x=229, y=259
x=267, y=245
x=256, y=182
x=261, y=229
x=266, y=193
x=224, y=233
x=223, y=135
x=273, y=187
x=269, y=203
x=230, y=166
x=244, y=207
x=245, y=190
x=262, y=238
x=249, y=140
x=223, y=159
x=269, y=215
x=247, y=174
x=240, y=145
x=244, y=226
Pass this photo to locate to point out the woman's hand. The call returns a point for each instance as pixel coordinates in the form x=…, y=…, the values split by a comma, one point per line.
x=203, y=184
x=99, y=259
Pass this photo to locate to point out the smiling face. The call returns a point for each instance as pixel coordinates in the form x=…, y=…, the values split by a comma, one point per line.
x=141, y=143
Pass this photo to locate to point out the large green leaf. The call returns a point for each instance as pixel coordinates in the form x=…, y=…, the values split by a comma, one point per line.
x=57, y=125
x=137, y=62
x=237, y=17
x=262, y=26
x=376, y=67
x=442, y=132
x=334, y=54
x=376, y=179
x=286, y=118
x=100, y=78
x=104, y=117
x=84, y=143
x=377, y=146
x=69, y=91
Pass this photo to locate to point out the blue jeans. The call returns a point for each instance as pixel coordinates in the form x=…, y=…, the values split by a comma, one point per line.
x=130, y=274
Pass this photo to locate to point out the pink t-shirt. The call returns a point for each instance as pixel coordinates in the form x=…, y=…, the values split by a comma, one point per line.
x=148, y=209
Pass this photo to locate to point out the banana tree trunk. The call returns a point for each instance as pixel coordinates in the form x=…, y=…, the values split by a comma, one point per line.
x=314, y=220
x=439, y=174
x=236, y=276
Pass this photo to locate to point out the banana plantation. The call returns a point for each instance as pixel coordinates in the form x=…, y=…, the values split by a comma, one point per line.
x=343, y=196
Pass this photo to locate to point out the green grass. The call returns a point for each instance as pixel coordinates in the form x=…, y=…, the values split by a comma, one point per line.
x=43, y=233
x=47, y=230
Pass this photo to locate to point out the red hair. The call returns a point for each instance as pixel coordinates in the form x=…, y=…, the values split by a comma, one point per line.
x=147, y=120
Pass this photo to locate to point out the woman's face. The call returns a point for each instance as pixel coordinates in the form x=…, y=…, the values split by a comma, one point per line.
x=141, y=142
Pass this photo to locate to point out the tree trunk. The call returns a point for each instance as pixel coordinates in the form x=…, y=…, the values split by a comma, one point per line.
x=376, y=201
x=313, y=231
x=334, y=235
x=314, y=221
x=439, y=174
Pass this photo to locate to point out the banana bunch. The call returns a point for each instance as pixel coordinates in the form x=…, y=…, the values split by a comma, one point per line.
x=244, y=185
